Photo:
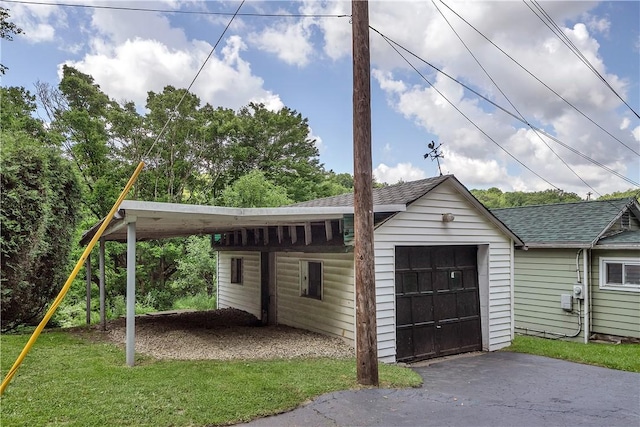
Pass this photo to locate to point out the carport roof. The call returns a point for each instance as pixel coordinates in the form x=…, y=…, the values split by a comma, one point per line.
x=156, y=220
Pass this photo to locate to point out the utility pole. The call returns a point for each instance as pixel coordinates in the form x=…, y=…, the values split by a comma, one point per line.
x=366, y=333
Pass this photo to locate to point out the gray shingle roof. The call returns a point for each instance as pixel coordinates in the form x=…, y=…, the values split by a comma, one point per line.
x=624, y=237
x=397, y=194
x=578, y=223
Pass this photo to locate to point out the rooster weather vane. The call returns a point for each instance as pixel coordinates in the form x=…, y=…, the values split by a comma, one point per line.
x=435, y=154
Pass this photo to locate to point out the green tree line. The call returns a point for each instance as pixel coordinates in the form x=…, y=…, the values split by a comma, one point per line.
x=206, y=155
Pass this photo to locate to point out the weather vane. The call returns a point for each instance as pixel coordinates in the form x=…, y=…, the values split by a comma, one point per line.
x=435, y=154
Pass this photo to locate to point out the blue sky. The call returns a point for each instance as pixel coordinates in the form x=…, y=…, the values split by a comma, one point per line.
x=305, y=63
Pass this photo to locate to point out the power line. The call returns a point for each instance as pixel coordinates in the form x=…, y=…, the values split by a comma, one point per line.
x=509, y=100
x=555, y=29
x=460, y=111
x=540, y=81
x=498, y=106
x=184, y=12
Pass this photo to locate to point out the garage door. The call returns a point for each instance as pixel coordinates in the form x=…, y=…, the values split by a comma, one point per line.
x=437, y=301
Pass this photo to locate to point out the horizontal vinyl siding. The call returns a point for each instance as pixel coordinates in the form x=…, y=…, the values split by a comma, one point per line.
x=245, y=296
x=613, y=312
x=541, y=276
x=421, y=225
x=333, y=315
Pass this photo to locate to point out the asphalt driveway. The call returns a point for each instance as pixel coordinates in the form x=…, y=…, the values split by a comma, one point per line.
x=488, y=389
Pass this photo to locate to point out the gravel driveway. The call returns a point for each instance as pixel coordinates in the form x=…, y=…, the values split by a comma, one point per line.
x=223, y=334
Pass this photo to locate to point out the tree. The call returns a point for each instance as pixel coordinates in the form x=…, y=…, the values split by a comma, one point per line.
x=254, y=190
x=7, y=31
x=40, y=194
x=621, y=194
x=494, y=198
x=278, y=144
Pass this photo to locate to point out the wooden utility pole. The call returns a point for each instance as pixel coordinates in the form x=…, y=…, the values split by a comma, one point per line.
x=366, y=334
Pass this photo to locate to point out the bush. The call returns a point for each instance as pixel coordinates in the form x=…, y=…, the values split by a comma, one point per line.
x=40, y=195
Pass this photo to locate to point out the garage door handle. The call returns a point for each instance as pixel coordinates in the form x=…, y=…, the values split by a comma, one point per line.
x=438, y=327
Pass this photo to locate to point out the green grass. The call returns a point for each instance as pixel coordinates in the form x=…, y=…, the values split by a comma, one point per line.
x=624, y=357
x=72, y=381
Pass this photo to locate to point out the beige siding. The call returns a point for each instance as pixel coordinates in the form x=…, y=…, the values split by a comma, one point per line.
x=333, y=315
x=422, y=224
x=245, y=296
x=541, y=276
x=613, y=312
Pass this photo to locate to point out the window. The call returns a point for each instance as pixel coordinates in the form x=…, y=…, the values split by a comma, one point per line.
x=620, y=274
x=311, y=279
x=236, y=270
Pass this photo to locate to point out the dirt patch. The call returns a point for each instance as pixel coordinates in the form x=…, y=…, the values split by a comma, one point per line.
x=224, y=334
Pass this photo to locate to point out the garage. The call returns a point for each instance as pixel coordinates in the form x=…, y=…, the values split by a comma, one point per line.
x=437, y=301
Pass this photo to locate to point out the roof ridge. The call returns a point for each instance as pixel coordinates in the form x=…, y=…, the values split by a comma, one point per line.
x=567, y=203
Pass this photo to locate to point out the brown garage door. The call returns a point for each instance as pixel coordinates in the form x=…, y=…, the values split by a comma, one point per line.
x=437, y=301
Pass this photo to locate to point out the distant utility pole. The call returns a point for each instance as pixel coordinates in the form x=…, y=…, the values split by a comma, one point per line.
x=366, y=331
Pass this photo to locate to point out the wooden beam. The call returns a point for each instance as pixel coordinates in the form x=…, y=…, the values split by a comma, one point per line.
x=307, y=233
x=256, y=235
x=279, y=232
x=366, y=330
x=293, y=232
x=265, y=232
x=243, y=232
x=328, y=230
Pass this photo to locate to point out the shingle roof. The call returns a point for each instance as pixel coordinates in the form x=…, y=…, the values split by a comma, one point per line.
x=578, y=223
x=403, y=193
x=624, y=237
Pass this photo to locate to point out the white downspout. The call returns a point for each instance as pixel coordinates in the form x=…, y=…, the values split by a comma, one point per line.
x=586, y=255
x=512, y=261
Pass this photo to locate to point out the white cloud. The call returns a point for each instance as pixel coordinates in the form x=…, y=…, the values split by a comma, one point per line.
x=38, y=22
x=636, y=133
x=393, y=174
x=288, y=40
x=128, y=70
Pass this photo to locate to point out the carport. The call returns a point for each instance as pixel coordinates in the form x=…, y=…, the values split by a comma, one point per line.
x=287, y=227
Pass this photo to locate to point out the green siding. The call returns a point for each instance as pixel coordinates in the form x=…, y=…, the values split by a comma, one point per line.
x=541, y=276
x=613, y=312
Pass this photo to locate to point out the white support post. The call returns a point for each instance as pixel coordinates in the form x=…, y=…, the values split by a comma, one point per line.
x=131, y=293
x=328, y=230
x=88, y=268
x=103, y=319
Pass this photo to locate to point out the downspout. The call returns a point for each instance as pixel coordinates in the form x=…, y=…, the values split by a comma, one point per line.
x=586, y=256
x=512, y=261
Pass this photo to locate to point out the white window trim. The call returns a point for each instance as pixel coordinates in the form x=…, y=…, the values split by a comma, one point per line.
x=617, y=260
x=304, y=285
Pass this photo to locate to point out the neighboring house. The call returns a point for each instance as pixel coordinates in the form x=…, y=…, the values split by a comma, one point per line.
x=568, y=246
x=443, y=265
x=443, y=270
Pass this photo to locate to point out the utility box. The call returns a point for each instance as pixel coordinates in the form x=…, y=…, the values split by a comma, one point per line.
x=578, y=291
x=566, y=302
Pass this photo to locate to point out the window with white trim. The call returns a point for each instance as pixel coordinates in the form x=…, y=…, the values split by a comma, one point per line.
x=236, y=270
x=311, y=279
x=621, y=274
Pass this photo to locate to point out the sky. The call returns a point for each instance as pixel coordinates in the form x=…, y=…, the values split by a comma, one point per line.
x=298, y=55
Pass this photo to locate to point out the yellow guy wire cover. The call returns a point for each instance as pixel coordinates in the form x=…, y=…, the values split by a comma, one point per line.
x=71, y=278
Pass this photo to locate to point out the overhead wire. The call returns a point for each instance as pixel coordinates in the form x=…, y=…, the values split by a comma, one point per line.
x=509, y=100
x=503, y=109
x=549, y=22
x=461, y=112
x=540, y=81
x=185, y=12
x=184, y=94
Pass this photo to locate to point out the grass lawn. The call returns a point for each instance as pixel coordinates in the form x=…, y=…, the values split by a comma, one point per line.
x=67, y=380
x=624, y=357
